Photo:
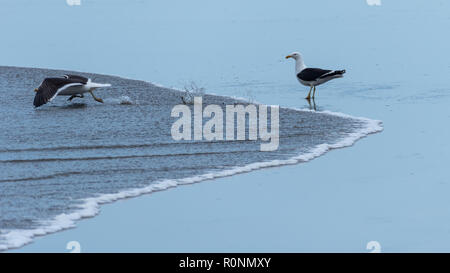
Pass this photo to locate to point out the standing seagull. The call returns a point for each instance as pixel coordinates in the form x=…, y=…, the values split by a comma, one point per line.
x=69, y=85
x=312, y=76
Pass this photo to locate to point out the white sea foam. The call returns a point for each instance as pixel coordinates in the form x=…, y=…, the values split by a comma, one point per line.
x=91, y=206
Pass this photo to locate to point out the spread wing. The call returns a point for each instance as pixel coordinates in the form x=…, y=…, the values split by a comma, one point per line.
x=50, y=88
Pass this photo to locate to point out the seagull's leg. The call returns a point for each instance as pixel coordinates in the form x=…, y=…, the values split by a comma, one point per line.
x=310, y=106
x=75, y=96
x=95, y=98
x=314, y=93
x=309, y=94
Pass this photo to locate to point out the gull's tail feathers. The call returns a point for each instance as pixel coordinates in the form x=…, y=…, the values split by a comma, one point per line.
x=334, y=74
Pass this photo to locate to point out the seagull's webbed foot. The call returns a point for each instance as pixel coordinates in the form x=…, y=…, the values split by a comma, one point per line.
x=95, y=98
x=98, y=100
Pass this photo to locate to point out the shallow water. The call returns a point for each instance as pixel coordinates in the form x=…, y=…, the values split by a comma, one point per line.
x=392, y=187
x=54, y=157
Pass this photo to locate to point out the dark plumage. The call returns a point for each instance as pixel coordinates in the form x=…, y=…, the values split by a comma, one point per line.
x=312, y=74
x=50, y=87
x=76, y=78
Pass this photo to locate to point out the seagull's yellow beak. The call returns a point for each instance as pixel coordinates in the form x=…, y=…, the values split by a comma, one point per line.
x=35, y=90
x=288, y=56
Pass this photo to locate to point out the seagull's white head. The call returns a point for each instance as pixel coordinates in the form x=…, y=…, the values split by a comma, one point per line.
x=296, y=56
x=299, y=64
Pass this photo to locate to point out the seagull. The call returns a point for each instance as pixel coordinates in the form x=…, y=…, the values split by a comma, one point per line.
x=68, y=85
x=312, y=76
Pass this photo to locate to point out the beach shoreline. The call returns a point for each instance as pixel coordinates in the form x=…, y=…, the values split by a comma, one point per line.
x=90, y=207
x=354, y=201
x=391, y=187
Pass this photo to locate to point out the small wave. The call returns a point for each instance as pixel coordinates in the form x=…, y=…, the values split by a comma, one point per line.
x=119, y=146
x=109, y=171
x=122, y=157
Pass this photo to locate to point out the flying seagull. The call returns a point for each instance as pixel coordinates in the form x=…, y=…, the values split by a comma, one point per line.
x=68, y=85
x=312, y=76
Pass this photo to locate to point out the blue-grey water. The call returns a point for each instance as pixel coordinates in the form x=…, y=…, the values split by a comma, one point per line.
x=392, y=187
x=54, y=157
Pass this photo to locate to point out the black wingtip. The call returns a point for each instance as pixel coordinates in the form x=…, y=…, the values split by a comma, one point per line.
x=38, y=100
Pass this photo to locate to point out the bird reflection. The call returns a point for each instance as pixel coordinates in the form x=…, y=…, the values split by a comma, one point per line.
x=312, y=106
